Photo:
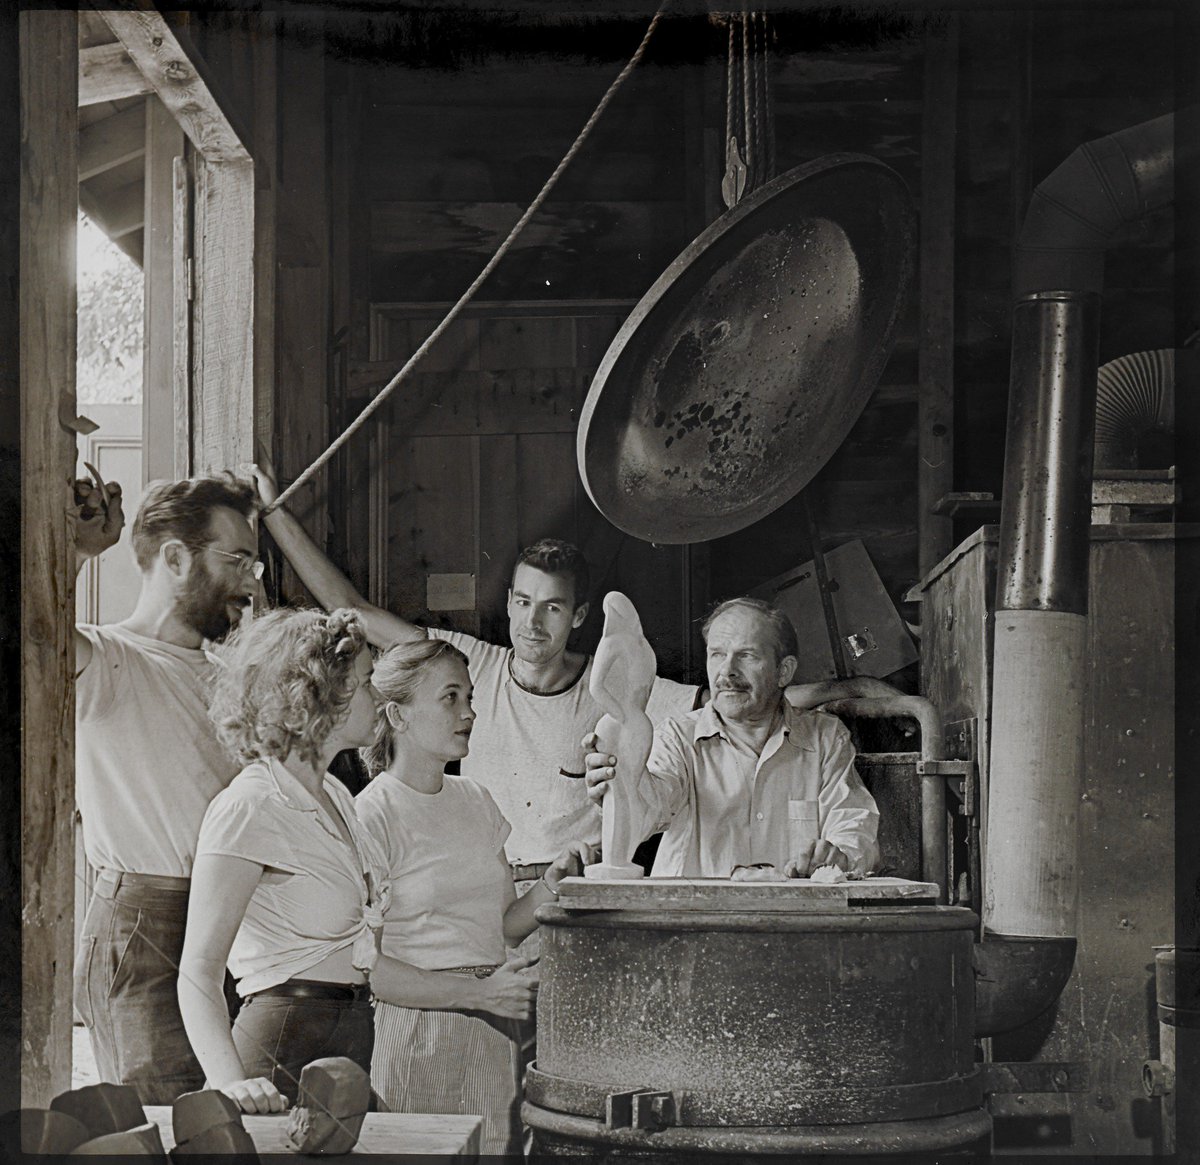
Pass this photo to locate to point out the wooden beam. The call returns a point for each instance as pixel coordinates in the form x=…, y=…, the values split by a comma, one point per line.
x=935, y=357
x=114, y=140
x=181, y=316
x=163, y=141
x=115, y=218
x=124, y=210
x=266, y=121
x=49, y=42
x=156, y=51
x=106, y=73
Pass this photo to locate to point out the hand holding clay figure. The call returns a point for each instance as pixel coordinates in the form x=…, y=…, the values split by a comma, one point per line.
x=569, y=864
x=622, y=676
x=600, y=768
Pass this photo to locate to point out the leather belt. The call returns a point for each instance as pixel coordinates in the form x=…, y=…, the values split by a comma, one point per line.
x=113, y=880
x=522, y=873
x=315, y=989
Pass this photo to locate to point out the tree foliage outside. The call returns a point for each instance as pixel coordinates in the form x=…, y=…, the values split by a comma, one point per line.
x=108, y=366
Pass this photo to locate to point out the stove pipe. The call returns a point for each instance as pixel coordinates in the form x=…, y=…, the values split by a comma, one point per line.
x=1031, y=879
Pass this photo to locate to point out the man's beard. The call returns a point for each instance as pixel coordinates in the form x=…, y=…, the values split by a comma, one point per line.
x=203, y=605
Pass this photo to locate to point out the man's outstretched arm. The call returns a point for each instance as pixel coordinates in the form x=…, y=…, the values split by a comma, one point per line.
x=330, y=587
x=805, y=696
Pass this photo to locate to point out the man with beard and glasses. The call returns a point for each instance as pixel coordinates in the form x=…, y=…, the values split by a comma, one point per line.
x=148, y=762
x=749, y=780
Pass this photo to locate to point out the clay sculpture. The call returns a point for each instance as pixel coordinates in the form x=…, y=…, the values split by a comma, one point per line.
x=38, y=1130
x=209, y=1122
x=622, y=676
x=333, y=1100
x=143, y=1141
x=102, y=1108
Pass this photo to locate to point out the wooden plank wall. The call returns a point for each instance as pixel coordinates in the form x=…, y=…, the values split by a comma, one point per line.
x=302, y=276
x=482, y=447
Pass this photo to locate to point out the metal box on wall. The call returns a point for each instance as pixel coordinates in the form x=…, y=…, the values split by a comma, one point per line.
x=1105, y=1015
x=875, y=641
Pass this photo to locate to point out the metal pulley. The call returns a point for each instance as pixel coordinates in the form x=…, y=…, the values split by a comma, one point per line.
x=742, y=369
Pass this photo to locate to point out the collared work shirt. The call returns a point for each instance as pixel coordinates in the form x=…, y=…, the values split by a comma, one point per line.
x=720, y=805
x=317, y=895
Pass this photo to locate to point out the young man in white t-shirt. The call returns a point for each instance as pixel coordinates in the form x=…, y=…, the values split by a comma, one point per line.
x=148, y=761
x=532, y=703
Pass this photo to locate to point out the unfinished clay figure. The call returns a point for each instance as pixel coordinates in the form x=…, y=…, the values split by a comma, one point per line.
x=622, y=675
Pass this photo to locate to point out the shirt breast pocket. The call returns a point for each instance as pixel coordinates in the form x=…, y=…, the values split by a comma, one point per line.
x=804, y=825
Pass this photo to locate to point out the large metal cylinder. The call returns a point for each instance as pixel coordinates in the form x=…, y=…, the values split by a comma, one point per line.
x=756, y=1032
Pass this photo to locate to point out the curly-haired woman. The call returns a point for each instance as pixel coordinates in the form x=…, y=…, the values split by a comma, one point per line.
x=287, y=885
x=448, y=1004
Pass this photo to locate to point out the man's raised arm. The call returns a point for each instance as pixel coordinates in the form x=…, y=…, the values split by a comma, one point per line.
x=331, y=588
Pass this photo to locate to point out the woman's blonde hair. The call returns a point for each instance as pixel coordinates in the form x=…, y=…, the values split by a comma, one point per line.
x=398, y=673
x=285, y=681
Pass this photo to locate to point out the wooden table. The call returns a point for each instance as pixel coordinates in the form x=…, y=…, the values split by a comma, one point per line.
x=399, y=1136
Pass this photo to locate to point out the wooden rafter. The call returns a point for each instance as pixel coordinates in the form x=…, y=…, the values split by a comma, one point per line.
x=169, y=71
x=106, y=73
x=108, y=143
x=120, y=212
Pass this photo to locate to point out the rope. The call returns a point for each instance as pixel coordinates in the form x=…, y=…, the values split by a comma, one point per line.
x=432, y=338
x=730, y=69
x=751, y=153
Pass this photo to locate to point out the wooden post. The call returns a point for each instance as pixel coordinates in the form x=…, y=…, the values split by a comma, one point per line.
x=935, y=360
x=48, y=46
x=163, y=144
x=10, y=556
x=264, y=49
x=223, y=316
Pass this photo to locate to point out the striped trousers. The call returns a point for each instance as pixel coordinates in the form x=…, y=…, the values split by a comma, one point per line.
x=451, y=1062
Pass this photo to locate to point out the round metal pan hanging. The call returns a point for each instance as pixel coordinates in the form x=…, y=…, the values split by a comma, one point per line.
x=745, y=365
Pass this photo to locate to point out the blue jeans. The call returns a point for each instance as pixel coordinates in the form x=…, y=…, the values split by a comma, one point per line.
x=275, y=1037
x=126, y=972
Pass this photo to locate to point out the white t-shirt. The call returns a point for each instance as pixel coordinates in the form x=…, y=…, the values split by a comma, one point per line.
x=147, y=758
x=526, y=750
x=443, y=854
x=316, y=891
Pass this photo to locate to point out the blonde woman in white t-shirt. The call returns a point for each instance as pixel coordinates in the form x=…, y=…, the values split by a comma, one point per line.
x=287, y=887
x=449, y=1040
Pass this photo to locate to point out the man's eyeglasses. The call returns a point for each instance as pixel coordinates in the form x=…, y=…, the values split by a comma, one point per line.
x=247, y=565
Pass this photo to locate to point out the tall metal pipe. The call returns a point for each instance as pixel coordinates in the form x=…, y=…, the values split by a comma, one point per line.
x=1039, y=669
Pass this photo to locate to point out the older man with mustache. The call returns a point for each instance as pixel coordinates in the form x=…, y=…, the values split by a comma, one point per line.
x=148, y=762
x=749, y=779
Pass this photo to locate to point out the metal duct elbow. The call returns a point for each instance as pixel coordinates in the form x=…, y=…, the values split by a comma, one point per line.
x=1135, y=396
x=1039, y=667
x=1076, y=210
